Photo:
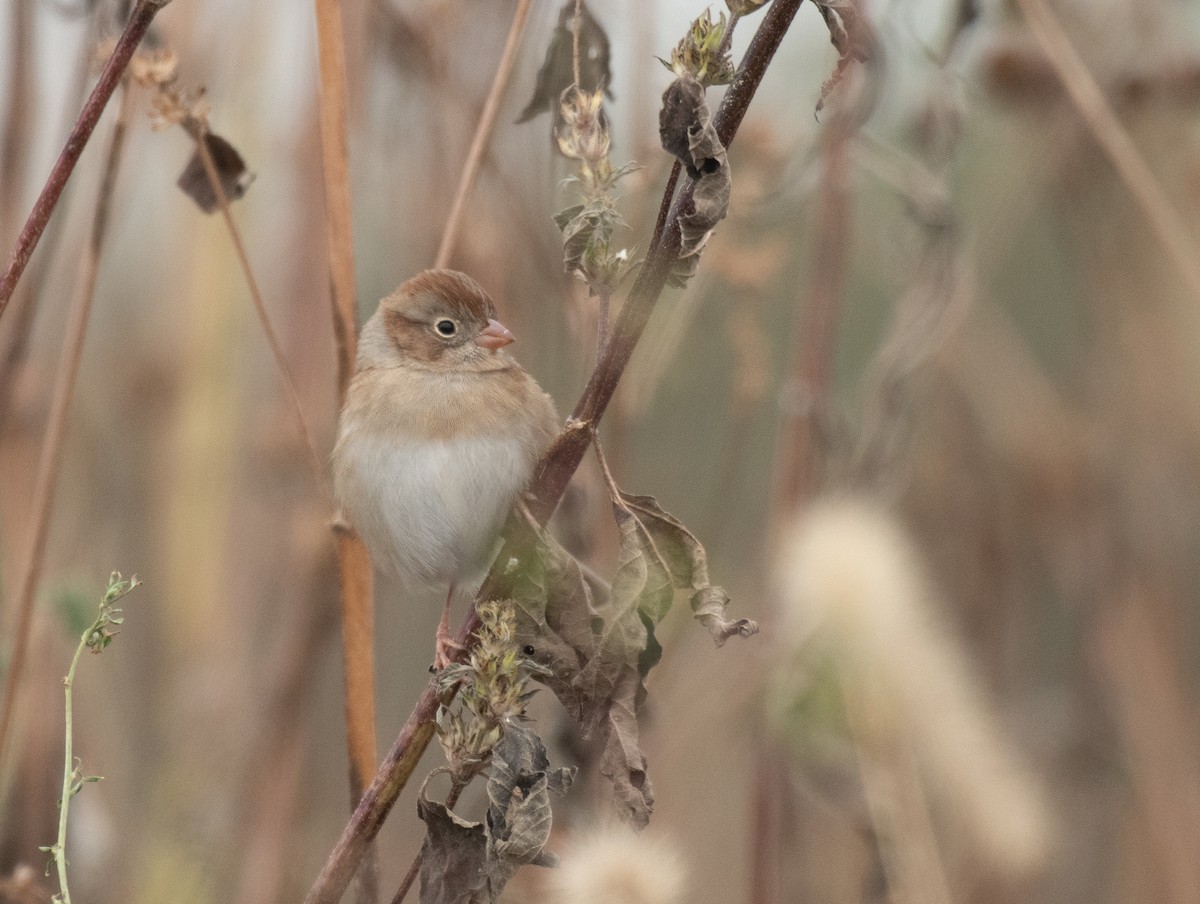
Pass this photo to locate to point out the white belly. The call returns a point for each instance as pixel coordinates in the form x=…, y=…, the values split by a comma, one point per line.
x=430, y=512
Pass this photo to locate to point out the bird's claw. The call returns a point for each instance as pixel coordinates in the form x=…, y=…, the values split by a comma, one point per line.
x=444, y=650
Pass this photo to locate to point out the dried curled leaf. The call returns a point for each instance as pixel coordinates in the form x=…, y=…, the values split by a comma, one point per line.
x=686, y=132
x=470, y=862
x=851, y=34
x=235, y=178
x=558, y=68
x=709, y=605
x=687, y=560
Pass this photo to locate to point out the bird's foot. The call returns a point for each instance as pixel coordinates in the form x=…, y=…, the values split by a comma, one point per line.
x=444, y=650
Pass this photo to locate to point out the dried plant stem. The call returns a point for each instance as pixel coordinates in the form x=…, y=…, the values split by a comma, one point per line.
x=198, y=133
x=354, y=562
x=603, y=327
x=51, y=455
x=14, y=136
x=14, y=343
x=139, y=21
x=335, y=162
x=556, y=467
x=483, y=134
x=815, y=337
x=1168, y=225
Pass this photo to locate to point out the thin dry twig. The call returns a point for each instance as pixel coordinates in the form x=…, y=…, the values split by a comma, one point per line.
x=51, y=455
x=214, y=179
x=556, y=467
x=135, y=29
x=1166, y=221
x=483, y=134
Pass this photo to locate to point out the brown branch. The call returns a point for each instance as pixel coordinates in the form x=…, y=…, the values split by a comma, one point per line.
x=139, y=21
x=335, y=163
x=354, y=562
x=51, y=455
x=815, y=338
x=483, y=134
x=556, y=468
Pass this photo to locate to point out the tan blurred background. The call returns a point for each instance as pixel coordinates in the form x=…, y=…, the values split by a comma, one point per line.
x=1012, y=403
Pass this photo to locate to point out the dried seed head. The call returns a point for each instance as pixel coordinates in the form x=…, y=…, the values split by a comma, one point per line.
x=697, y=55
x=616, y=865
x=584, y=133
x=154, y=68
x=851, y=575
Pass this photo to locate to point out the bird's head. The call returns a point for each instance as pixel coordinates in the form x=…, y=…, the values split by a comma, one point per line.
x=438, y=319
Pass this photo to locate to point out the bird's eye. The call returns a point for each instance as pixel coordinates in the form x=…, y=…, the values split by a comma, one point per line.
x=528, y=649
x=446, y=327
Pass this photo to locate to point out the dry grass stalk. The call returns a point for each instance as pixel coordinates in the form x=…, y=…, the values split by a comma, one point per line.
x=50, y=460
x=358, y=613
x=1170, y=228
x=483, y=135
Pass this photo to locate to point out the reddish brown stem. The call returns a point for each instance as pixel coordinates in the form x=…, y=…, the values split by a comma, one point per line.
x=556, y=468
x=135, y=29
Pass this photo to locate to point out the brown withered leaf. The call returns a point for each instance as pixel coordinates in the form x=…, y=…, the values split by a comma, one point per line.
x=558, y=68
x=852, y=36
x=686, y=132
x=519, y=815
x=557, y=624
x=687, y=560
x=234, y=176
x=470, y=862
x=596, y=656
x=453, y=856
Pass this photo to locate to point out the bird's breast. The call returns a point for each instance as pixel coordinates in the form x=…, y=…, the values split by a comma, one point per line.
x=429, y=509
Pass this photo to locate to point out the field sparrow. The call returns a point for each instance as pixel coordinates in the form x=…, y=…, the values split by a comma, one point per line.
x=439, y=432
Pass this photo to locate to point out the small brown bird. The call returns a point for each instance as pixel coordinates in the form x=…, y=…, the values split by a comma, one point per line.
x=439, y=432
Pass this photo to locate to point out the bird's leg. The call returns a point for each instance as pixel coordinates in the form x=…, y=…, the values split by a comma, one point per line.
x=446, y=644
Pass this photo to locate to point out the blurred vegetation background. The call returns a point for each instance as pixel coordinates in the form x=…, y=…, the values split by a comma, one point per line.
x=1013, y=361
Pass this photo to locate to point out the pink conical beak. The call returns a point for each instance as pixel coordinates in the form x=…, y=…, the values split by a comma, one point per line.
x=495, y=335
